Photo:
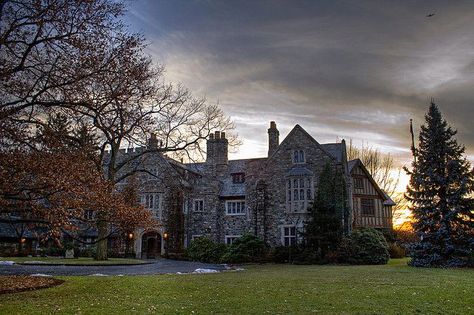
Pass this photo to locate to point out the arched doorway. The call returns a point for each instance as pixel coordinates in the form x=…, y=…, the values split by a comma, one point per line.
x=151, y=245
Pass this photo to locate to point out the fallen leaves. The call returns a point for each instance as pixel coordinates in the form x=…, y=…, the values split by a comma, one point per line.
x=12, y=284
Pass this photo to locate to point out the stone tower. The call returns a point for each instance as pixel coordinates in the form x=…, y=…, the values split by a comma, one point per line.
x=273, y=138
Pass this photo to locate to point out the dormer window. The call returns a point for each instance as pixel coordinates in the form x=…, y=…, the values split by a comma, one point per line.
x=298, y=157
x=238, y=178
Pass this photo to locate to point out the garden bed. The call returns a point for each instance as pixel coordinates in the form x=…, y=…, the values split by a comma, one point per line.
x=13, y=284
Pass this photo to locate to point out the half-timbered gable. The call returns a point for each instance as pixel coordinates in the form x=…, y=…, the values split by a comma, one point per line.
x=371, y=206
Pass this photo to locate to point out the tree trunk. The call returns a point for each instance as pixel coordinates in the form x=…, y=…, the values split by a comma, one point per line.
x=101, y=253
x=20, y=247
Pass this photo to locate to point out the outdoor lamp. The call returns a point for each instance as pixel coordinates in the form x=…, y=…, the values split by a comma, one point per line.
x=165, y=236
x=130, y=235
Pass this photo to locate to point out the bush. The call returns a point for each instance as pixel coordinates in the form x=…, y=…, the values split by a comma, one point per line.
x=396, y=251
x=365, y=246
x=204, y=250
x=295, y=254
x=87, y=252
x=247, y=248
x=54, y=251
x=283, y=254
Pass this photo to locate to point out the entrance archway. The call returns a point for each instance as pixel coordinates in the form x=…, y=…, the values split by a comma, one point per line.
x=151, y=245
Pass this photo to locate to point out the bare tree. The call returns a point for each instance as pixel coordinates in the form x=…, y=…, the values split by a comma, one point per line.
x=380, y=166
x=75, y=59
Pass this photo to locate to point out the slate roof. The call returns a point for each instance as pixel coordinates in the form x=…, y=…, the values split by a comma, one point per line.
x=299, y=171
x=388, y=201
x=335, y=149
x=7, y=231
x=230, y=189
x=351, y=164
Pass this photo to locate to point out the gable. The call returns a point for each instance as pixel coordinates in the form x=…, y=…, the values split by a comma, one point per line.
x=358, y=170
x=298, y=138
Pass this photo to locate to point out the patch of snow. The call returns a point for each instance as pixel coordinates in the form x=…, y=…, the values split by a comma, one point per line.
x=204, y=270
x=6, y=262
x=40, y=275
x=98, y=275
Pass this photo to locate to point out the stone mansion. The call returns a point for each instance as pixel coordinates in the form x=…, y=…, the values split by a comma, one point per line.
x=223, y=199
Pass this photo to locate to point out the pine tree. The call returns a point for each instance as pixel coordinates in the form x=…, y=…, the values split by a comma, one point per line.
x=439, y=191
x=324, y=229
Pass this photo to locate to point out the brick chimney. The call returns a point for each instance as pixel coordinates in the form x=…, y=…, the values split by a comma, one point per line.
x=273, y=138
x=217, y=149
x=152, y=142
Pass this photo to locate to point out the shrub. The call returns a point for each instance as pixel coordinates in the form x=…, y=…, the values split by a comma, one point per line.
x=283, y=254
x=247, y=248
x=205, y=250
x=295, y=254
x=396, y=251
x=365, y=246
x=87, y=252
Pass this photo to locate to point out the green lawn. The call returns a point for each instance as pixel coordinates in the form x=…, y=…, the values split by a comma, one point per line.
x=75, y=261
x=273, y=289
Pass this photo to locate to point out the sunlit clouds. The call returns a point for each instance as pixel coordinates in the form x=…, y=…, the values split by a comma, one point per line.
x=346, y=70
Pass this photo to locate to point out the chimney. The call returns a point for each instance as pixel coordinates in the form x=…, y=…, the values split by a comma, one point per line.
x=273, y=138
x=217, y=149
x=152, y=142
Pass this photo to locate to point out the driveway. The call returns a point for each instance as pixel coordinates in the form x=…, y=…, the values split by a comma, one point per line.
x=160, y=266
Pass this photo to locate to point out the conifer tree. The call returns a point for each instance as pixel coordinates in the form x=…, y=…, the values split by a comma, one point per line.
x=324, y=229
x=439, y=191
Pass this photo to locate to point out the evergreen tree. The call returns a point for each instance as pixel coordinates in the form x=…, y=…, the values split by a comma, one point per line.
x=324, y=228
x=439, y=191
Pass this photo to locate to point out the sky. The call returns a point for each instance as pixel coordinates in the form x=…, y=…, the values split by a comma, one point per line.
x=354, y=70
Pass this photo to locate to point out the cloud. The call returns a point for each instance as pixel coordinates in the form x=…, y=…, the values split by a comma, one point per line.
x=349, y=69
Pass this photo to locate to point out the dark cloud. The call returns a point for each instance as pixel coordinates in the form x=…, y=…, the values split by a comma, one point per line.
x=345, y=69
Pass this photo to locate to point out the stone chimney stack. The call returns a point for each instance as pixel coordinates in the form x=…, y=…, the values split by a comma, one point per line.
x=273, y=138
x=152, y=142
x=217, y=149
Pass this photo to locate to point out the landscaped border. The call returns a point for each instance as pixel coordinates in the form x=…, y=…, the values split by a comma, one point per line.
x=15, y=284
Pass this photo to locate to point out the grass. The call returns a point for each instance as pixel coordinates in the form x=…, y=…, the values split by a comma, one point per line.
x=75, y=261
x=273, y=289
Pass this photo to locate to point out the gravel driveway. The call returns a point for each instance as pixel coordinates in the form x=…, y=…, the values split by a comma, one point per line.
x=159, y=266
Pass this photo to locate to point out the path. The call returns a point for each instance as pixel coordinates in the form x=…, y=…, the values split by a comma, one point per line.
x=160, y=266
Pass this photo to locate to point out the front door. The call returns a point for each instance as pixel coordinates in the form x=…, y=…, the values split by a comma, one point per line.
x=151, y=245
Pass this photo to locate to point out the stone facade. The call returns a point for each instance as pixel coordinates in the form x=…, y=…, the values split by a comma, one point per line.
x=223, y=199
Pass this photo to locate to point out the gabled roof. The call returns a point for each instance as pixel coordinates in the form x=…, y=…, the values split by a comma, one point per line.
x=357, y=162
x=352, y=163
x=335, y=149
x=292, y=132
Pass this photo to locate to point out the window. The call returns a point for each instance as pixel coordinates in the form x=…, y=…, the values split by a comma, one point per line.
x=288, y=235
x=298, y=156
x=299, y=193
x=152, y=202
x=238, y=178
x=88, y=214
x=235, y=207
x=195, y=236
x=358, y=183
x=198, y=205
x=367, y=206
x=229, y=239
